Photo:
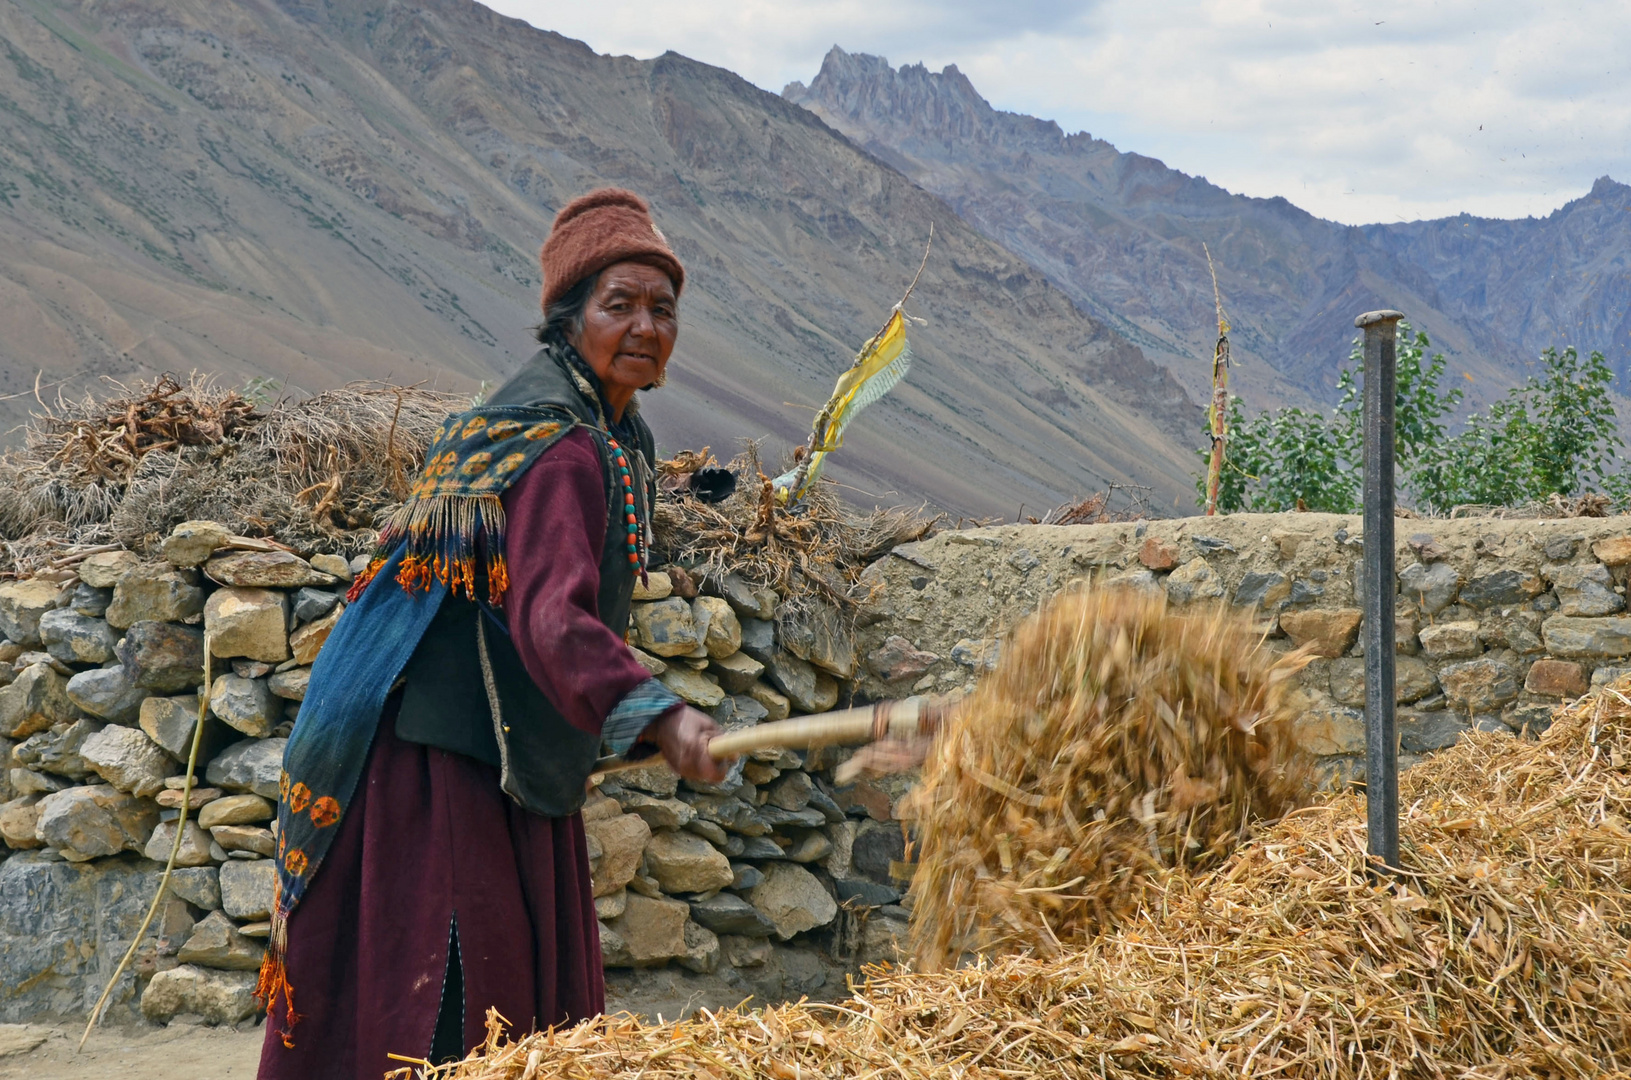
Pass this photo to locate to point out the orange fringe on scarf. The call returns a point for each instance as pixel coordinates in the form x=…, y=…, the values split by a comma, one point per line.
x=274, y=980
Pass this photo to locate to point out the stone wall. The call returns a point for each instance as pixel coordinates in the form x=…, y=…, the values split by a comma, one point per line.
x=750, y=881
x=100, y=673
x=1498, y=621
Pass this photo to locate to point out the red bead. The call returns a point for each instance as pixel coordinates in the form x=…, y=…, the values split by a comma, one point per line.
x=633, y=520
x=628, y=500
x=633, y=558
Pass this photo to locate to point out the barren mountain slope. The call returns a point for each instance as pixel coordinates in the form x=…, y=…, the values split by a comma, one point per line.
x=317, y=192
x=1123, y=234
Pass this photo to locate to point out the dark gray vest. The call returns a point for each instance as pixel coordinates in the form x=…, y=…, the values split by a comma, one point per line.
x=467, y=690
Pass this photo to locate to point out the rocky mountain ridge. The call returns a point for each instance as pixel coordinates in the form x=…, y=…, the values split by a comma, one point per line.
x=310, y=192
x=1123, y=234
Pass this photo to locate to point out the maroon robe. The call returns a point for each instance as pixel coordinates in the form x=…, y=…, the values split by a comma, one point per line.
x=430, y=839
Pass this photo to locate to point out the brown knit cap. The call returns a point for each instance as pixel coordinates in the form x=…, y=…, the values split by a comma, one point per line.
x=594, y=231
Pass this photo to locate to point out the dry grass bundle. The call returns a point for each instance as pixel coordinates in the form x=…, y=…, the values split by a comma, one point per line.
x=1503, y=950
x=126, y=469
x=1115, y=739
x=817, y=550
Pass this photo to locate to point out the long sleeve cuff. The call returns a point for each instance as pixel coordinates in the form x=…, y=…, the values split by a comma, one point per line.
x=634, y=713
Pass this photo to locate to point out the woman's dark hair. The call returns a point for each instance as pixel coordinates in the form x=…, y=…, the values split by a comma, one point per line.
x=565, y=316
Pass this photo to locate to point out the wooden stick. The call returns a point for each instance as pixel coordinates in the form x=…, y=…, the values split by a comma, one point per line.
x=846, y=727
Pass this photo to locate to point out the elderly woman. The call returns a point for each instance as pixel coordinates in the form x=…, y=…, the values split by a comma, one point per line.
x=431, y=859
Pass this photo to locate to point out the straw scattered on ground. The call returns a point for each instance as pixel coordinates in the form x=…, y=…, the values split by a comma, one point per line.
x=1115, y=738
x=1502, y=950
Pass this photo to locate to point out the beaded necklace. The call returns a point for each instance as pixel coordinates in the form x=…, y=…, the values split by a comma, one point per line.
x=637, y=540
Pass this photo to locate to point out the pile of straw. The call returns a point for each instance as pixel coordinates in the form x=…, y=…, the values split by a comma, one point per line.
x=815, y=550
x=1502, y=950
x=124, y=468
x=1115, y=739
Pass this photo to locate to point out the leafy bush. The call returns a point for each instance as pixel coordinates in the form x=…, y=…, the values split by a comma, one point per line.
x=1555, y=434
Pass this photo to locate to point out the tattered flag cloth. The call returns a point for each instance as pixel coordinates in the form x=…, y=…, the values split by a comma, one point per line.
x=879, y=366
x=447, y=539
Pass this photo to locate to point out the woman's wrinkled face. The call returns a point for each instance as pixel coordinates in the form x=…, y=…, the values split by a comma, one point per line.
x=629, y=326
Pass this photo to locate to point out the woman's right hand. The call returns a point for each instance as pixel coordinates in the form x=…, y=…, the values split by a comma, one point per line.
x=682, y=737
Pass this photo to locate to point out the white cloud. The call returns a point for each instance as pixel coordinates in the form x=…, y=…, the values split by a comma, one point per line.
x=1389, y=110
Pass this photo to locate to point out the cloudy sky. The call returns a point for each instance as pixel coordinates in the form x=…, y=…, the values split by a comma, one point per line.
x=1361, y=112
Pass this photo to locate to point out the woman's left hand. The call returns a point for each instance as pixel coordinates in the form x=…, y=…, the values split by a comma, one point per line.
x=682, y=737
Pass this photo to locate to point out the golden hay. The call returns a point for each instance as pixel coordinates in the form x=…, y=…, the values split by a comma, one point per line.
x=1504, y=950
x=1116, y=738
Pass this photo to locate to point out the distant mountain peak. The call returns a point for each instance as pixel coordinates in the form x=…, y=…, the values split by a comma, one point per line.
x=866, y=90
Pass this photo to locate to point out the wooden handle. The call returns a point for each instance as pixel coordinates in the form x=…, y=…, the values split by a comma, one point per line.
x=846, y=727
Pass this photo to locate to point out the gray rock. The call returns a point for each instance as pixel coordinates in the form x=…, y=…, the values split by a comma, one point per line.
x=104, y=569
x=876, y=846
x=108, y=693
x=758, y=638
x=247, y=888
x=792, y=792
x=1193, y=582
x=666, y=627
x=1481, y=685
x=745, y=876
x=1565, y=636
x=77, y=639
x=32, y=782
x=897, y=660
x=192, y=542
x=1603, y=676
x=88, y=822
x=1586, y=591
x=128, y=759
x=747, y=602
x=23, y=604
x=251, y=765
x=1139, y=580
x=1442, y=641
x=656, y=813
x=264, y=570
x=246, y=809
x=809, y=846
x=695, y=687
x=761, y=848
x=19, y=819
x=819, y=635
x=194, y=850
x=1432, y=586
x=169, y=721
x=745, y=952
x=721, y=630
x=154, y=592
x=243, y=841
x=246, y=705
x=312, y=604
x=216, y=943
x=683, y=862
x=200, y=886
x=739, y=710
x=1265, y=591
x=792, y=899
x=251, y=623
x=252, y=669
x=291, y=684
x=1517, y=630
x=809, y=690
x=727, y=913
x=981, y=655
x=709, y=832
x=67, y=925
x=736, y=672
x=163, y=657
x=57, y=750
x=91, y=602
x=333, y=565
x=728, y=812
x=777, y=818
x=863, y=892
x=216, y=997
x=1503, y=588
x=35, y=700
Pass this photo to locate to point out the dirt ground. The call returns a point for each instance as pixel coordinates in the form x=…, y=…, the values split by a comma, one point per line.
x=191, y=1051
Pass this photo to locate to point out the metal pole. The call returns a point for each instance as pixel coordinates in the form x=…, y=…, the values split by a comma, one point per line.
x=1381, y=739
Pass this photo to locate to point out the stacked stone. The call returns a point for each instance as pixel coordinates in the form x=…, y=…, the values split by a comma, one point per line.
x=708, y=876
x=101, y=669
x=1497, y=621
x=101, y=674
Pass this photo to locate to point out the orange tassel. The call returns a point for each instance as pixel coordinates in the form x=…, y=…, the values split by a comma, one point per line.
x=274, y=980
x=363, y=579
